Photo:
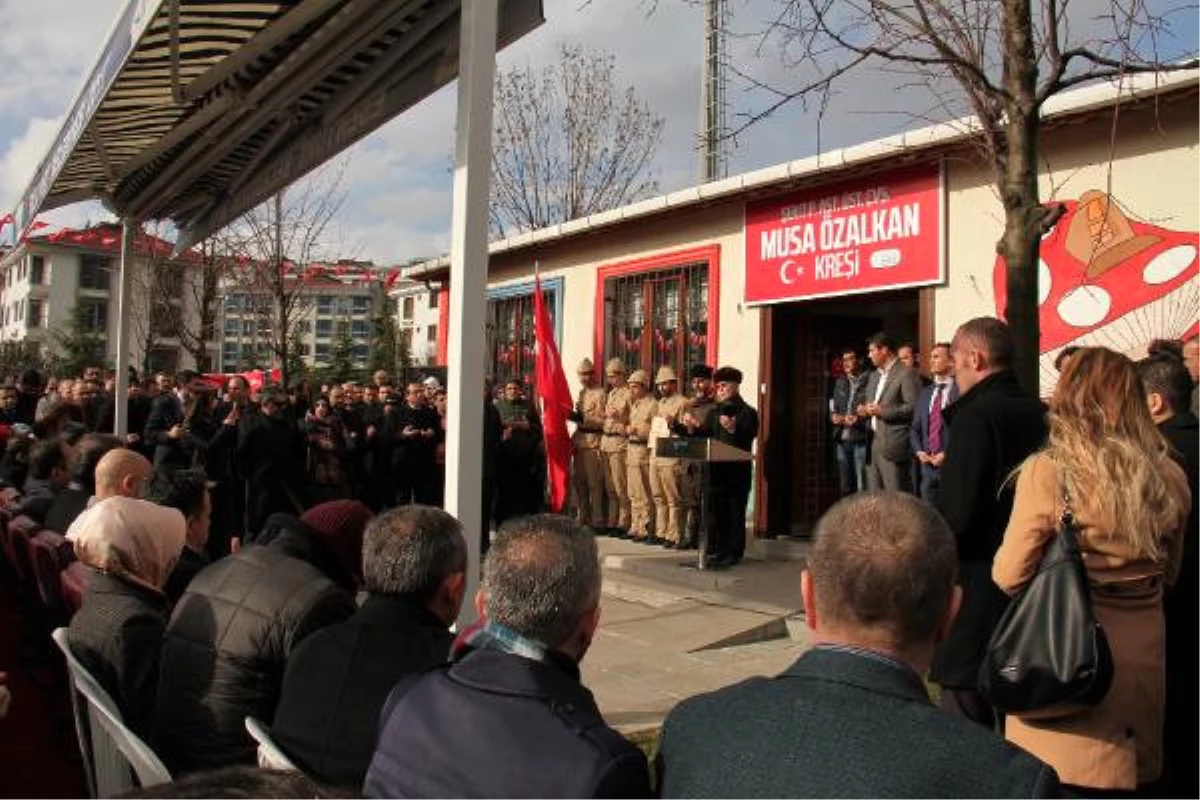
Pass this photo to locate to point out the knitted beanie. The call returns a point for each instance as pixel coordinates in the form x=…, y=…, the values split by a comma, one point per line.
x=341, y=523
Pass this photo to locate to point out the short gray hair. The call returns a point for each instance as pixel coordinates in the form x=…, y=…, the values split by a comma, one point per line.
x=411, y=550
x=542, y=575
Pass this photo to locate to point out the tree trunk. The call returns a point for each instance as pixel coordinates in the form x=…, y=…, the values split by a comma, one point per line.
x=1024, y=217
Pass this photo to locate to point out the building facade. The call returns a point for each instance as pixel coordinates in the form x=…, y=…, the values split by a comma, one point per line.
x=419, y=318
x=334, y=309
x=777, y=270
x=48, y=278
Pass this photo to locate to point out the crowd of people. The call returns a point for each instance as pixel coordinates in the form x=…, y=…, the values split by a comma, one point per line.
x=330, y=619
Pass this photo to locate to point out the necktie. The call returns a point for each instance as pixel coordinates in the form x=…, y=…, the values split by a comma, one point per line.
x=935, y=421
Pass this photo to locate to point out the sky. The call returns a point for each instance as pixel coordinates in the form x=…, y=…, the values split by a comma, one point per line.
x=398, y=181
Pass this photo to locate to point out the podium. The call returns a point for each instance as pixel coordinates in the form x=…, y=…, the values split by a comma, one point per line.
x=703, y=452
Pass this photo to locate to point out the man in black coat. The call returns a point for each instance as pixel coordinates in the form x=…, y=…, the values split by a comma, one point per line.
x=1168, y=393
x=852, y=717
x=414, y=429
x=414, y=565
x=994, y=425
x=164, y=426
x=508, y=716
x=735, y=423
x=239, y=621
x=270, y=456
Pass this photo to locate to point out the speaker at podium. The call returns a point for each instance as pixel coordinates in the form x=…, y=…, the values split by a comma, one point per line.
x=697, y=449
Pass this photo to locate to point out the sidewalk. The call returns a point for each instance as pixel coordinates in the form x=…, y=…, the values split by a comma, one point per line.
x=668, y=631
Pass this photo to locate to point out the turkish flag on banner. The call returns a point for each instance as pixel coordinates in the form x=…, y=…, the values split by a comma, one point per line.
x=556, y=401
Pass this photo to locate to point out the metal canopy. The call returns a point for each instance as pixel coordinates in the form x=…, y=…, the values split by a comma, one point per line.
x=198, y=110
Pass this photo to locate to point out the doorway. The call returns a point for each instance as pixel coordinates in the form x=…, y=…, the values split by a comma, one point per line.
x=802, y=343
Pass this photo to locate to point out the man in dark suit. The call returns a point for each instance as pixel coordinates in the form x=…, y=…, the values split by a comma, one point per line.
x=891, y=396
x=995, y=424
x=852, y=717
x=508, y=716
x=849, y=432
x=929, y=430
x=414, y=563
x=164, y=426
x=1168, y=393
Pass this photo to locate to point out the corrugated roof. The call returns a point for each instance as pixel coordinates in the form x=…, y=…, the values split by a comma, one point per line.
x=197, y=110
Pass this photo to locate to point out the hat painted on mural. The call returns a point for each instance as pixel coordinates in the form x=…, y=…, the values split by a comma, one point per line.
x=727, y=375
x=700, y=371
x=665, y=375
x=638, y=377
x=586, y=367
x=615, y=366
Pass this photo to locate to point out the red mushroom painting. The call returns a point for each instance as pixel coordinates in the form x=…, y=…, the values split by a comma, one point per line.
x=1107, y=280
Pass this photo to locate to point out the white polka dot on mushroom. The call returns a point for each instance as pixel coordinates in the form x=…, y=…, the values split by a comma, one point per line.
x=1084, y=306
x=1169, y=264
x=1045, y=281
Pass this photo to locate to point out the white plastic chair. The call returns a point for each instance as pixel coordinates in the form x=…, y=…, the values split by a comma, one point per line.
x=112, y=753
x=270, y=755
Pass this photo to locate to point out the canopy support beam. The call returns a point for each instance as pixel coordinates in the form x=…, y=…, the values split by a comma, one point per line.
x=129, y=228
x=468, y=281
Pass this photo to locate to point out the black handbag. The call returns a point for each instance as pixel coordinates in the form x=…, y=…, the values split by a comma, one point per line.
x=1048, y=656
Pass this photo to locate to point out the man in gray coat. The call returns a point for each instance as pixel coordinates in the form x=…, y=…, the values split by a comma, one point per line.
x=852, y=717
x=891, y=396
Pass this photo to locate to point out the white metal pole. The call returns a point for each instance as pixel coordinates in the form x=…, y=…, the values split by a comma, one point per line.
x=124, y=295
x=468, y=280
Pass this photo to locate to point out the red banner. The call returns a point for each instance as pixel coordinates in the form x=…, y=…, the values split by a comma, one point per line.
x=879, y=232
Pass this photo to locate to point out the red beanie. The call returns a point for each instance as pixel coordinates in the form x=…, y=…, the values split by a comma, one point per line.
x=341, y=524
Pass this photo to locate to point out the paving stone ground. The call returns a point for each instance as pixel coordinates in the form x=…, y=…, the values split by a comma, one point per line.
x=668, y=632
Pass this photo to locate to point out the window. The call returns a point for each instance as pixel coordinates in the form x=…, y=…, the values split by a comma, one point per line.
x=304, y=326
x=94, y=314
x=229, y=354
x=361, y=305
x=37, y=270
x=94, y=272
x=231, y=327
x=359, y=354
x=406, y=341
x=510, y=339
x=431, y=333
x=163, y=359
x=234, y=302
x=247, y=327
x=359, y=329
x=35, y=314
x=658, y=317
x=406, y=312
x=324, y=328
x=162, y=322
x=170, y=282
x=325, y=304
x=322, y=352
x=433, y=299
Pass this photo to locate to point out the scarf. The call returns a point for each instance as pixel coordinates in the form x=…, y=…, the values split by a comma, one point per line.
x=488, y=635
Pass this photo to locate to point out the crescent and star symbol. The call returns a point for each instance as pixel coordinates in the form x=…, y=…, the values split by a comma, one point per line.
x=785, y=267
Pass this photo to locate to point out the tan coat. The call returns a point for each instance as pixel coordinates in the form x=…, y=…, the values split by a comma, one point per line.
x=590, y=407
x=616, y=417
x=1118, y=744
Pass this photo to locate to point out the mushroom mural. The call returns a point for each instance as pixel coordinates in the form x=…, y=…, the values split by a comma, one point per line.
x=1105, y=280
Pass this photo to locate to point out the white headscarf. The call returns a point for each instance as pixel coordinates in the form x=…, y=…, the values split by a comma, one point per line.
x=134, y=540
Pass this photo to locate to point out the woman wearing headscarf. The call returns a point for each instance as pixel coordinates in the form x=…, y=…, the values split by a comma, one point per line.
x=131, y=547
x=1130, y=501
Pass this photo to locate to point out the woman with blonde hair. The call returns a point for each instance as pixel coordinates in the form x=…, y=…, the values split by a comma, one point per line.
x=1106, y=460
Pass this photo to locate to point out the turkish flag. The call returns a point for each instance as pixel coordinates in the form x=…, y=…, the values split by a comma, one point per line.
x=556, y=401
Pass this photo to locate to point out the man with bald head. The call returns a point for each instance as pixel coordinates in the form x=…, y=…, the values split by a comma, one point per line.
x=121, y=472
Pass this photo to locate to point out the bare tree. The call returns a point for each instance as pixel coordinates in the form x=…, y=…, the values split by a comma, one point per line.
x=277, y=242
x=211, y=266
x=569, y=142
x=157, y=310
x=1001, y=60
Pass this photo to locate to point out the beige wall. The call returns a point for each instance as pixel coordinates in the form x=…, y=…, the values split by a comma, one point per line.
x=1152, y=177
x=578, y=262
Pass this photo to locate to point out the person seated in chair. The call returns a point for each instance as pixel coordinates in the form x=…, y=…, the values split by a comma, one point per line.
x=48, y=477
x=131, y=545
x=852, y=717
x=414, y=564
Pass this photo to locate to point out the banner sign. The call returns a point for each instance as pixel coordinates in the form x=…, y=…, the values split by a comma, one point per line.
x=880, y=231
